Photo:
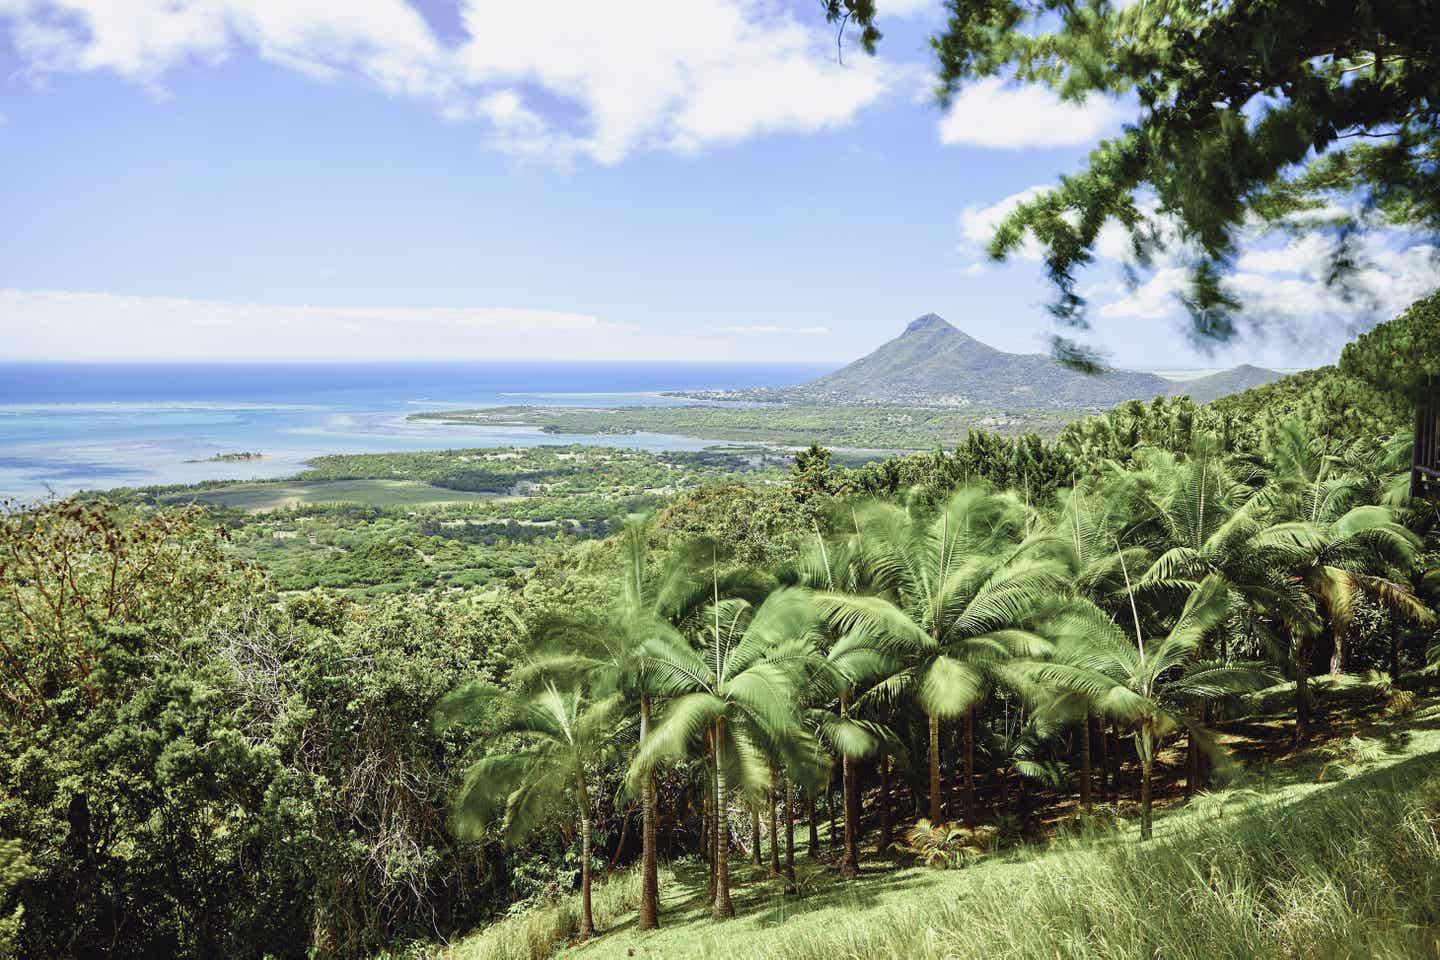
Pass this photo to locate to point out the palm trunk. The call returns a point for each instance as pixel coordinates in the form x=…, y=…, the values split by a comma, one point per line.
x=1085, y=773
x=1192, y=765
x=587, y=916
x=1117, y=785
x=1340, y=656
x=1394, y=648
x=936, y=810
x=1145, y=765
x=850, y=866
x=774, y=828
x=886, y=827
x=723, y=908
x=830, y=802
x=970, y=768
x=814, y=819
x=790, y=833
x=709, y=840
x=1302, y=691
x=1104, y=762
x=650, y=880
x=754, y=837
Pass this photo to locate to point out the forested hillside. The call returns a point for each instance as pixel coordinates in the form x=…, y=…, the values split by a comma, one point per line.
x=796, y=687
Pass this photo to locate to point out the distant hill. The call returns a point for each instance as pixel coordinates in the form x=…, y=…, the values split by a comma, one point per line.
x=934, y=364
x=1223, y=384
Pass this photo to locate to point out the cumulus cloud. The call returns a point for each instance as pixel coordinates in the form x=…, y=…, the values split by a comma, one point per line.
x=1281, y=281
x=977, y=223
x=991, y=113
x=1285, y=294
x=646, y=74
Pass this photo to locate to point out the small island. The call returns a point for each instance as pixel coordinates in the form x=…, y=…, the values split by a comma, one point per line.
x=242, y=456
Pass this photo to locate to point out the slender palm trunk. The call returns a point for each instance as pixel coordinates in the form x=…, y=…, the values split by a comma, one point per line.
x=754, y=836
x=850, y=865
x=790, y=832
x=1192, y=765
x=1117, y=771
x=936, y=810
x=1394, y=647
x=1146, y=762
x=587, y=915
x=708, y=836
x=1104, y=762
x=1302, y=691
x=830, y=802
x=810, y=815
x=1085, y=772
x=650, y=879
x=1339, y=659
x=774, y=827
x=970, y=768
x=886, y=827
x=723, y=908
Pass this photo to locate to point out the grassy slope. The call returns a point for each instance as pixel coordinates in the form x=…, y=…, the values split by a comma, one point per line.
x=1293, y=859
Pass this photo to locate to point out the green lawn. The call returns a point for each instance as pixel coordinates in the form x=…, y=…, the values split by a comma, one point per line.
x=1331, y=852
x=260, y=496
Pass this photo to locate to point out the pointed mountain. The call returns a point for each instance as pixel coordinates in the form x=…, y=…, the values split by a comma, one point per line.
x=932, y=363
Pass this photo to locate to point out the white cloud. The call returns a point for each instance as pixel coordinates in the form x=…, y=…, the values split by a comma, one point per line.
x=991, y=113
x=904, y=8
x=73, y=326
x=61, y=325
x=977, y=223
x=770, y=328
x=646, y=74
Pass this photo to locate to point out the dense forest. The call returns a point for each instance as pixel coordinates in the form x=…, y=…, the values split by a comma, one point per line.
x=946, y=654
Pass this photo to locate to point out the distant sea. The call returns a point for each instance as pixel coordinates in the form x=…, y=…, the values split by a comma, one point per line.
x=69, y=427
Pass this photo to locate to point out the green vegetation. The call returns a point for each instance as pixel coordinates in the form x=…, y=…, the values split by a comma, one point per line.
x=1049, y=648
x=240, y=457
x=1283, y=862
x=458, y=519
x=1262, y=112
x=859, y=427
x=262, y=496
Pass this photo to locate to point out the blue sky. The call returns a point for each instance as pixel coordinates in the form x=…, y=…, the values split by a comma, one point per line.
x=656, y=179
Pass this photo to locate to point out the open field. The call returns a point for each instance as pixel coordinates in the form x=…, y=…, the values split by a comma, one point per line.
x=260, y=497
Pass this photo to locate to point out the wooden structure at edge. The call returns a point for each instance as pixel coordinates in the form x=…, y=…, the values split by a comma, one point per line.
x=1425, y=462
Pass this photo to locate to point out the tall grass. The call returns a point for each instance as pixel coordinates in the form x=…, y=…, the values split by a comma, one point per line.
x=542, y=930
x=1354, y=874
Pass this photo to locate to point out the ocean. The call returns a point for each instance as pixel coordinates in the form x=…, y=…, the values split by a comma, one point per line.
x=69, y=427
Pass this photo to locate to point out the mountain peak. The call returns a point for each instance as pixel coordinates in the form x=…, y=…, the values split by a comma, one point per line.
x=930, y=321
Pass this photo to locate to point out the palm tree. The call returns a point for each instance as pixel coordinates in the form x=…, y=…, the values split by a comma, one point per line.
x=559, y=734
x=1085, y=536
x=605, y=651
x=946, y=594
x=730, y=698
x=1144, y=684
x=1331, y=549
x=837, y=676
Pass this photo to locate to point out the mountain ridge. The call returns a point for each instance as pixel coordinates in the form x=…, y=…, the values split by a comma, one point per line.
x=933, y=363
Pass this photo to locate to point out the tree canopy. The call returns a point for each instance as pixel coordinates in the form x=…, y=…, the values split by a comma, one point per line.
x=1315, y=116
